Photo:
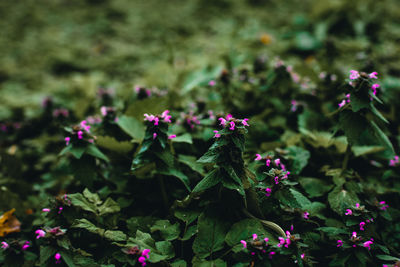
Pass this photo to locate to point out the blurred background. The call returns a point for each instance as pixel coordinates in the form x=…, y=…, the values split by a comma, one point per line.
x=70, y=48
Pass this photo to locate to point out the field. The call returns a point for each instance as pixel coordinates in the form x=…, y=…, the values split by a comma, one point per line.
x=199, y=133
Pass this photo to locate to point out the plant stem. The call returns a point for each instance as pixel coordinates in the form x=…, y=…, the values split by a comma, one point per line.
x=163, y=193
x=346, y=158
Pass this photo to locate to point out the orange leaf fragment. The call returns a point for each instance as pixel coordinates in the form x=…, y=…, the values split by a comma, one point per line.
x=9, y=223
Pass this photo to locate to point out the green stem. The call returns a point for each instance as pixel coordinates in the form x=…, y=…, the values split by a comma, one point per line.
x=163, y=193
x=346, y=158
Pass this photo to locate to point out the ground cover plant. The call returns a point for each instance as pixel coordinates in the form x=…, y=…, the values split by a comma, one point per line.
x=281, y=152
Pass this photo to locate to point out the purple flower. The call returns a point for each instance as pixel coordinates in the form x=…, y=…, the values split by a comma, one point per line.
x=305, y=215
x=254, y=237
x=258, y=157
x=142, y=260
x=266, y=240
x=222, y=121
x=26, y=245
x=40, y=233
x=67, y=140
x=372, y=75
x=368, y=244
x=103, y=111
x=341, y=104
x=362, y=224
x=272, y=253
x=154, y=135
x=339, y=243
x=244, y=122
x=4, y=245
x=46, y=210
x=268, y=190
x=354, y=75
x=172, y=136
x=349, y=212
x=302, y=256
x=232, y=125
x=374, y=87
x=211, y=83
x=216, y=134
x=277, y=162
x=244, y=243
x=57, y=257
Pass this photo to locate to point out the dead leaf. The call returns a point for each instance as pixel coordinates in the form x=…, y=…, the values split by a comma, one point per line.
x=9, y=223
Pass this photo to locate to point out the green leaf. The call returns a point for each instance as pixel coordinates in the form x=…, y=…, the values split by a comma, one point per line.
x=340, y=200
x=359, y=101
x=112, y=144
x=211, y=234
x=179, y=263
x=197, y=262
x=244, y=229
x=188, y=216
x=92, y=197
x=117, y=236
x=87, y=225
x=387, y=258
x=332, y=231
x=168, y=231
x=46, y=252
x=178, y=174
x=365, y=150
x=191, y=162
x=299, y=157
x=210, y=156
x=152, y=105
x=109, y=206
x=210, y=180
x=300, y=198
x=77, y=151
x=185, y=138
x=315, y=187
x=132, y=127
x=79, y=200
x=95, y=152
x=191, y=231
x=67, y=258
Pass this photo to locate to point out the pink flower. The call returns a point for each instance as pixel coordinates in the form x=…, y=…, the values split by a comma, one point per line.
x=276, y=180
x=341, y=104
x=305, y=215
x=67, y=140
x=145, y=253
x=349, y=212
x=277, y=162
x=60, y=209
x=266, y=240
x=268, y=190
x=80, y=135
x=294, y=105
x=148, y=117
x=339, y=243
x=268, y=162
x=302, y=256
x=40, y=233
x=374, y=87
x=26, y=245
x=232, y=126
x=362, y=224
x=165, y=116
x=222, y=121
x=258, y=157
x=348, y=98
x=156, y=120
x=357, y=205
x=154, y=135
x=354, y=75
x=4, y=245
x=211, y=83
x=85, y=126
x=57, y=257
x=254, y=237
x=368, y=244
x=142, y=260
x=244, y=243
x=46, y=210
x=383, y=205
x=103, y=111
x=216, y=134
x=172, y=136
x=244, y=122
x=372, y=75
x=229, y=117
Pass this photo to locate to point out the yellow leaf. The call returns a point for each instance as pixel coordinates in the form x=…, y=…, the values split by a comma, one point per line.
x=9, y=223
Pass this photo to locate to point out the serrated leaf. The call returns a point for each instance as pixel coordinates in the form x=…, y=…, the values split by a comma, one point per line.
x=244, y=229
x=95, y=152
x=185, y=138
x=112, y=144
x=208, y=181
x=315, y=187
x=109, y=206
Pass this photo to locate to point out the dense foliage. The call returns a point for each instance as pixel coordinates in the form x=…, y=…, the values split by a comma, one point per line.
x=252, y=162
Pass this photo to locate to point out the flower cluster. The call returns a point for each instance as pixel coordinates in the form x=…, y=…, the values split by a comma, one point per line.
x=143, y=92
x=355, y=75
x=344, y=101
x=230, y=123
x=109, y=113
x=144, y=254
x=270, y=162
x=60, y=112
x=157, y=118
x=80, y=131
x=188, y=119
